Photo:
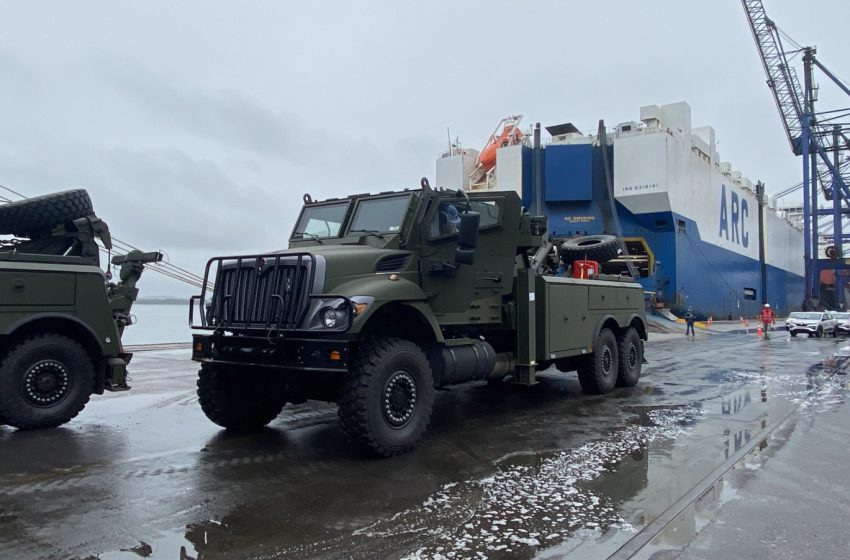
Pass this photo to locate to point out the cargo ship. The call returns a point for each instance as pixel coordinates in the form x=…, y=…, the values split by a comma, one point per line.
x=689, y=221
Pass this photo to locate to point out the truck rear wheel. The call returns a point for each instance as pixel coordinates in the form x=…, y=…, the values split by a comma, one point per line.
x=386, y=402
x=239, y=399
x=45, y=381
x=631, y=357
x=598, y=372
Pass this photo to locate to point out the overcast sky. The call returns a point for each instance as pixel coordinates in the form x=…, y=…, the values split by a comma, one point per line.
x=197, y=126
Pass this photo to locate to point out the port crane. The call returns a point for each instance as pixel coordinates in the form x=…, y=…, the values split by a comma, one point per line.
x=821, y=137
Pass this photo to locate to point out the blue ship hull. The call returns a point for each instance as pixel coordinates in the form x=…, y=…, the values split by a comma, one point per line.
x=683, y=270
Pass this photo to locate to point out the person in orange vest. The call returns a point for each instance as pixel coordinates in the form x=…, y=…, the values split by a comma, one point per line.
x=767, y=318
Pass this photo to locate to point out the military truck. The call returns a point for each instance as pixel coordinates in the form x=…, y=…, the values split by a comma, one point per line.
x=61, y=320
x=381, y=299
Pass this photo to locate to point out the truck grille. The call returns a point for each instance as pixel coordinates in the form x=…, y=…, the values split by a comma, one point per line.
x=260, y=292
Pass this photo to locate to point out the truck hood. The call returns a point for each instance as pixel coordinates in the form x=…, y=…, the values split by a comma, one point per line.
x=346, y=261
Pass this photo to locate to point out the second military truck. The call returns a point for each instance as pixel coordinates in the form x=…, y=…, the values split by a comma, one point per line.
x=61, y=318
x=381, y=299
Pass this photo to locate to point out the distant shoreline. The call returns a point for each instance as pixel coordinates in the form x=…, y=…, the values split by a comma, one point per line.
x=162, y=301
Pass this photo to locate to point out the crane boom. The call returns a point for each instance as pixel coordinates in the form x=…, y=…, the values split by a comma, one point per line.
x=819, y=137
x=781, y=77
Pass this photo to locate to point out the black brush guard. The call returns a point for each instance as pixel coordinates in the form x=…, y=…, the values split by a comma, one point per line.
x=261, y=293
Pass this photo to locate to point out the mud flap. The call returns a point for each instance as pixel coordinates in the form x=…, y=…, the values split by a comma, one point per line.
x=116, y=373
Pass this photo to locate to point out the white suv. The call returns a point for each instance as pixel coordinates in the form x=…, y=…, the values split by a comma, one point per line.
x=843, y=322
x=816, y=323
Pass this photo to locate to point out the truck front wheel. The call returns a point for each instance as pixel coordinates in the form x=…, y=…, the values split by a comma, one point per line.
x=598, y=372
x=385, y=404
x=45, y=381
x=631, y=357
x=239, y=399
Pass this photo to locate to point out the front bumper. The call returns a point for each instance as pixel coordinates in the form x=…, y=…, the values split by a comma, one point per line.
x=803, y=328
x=299, y=354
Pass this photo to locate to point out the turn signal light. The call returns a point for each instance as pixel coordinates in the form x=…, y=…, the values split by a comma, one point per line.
x=335, y=356
x=359, y=308
x=199, y=347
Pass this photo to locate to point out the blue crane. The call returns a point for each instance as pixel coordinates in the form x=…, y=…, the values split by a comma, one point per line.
x=820, y=137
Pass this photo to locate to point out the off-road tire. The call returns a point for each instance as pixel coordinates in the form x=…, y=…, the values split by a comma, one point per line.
x=819, y=332
x=600, y=248
x=26, y=217
x=630, y=349
x=834, y=333
x=793, y=333
x=384, y=375
x=598, y=372
x=239, y=399
x=45, y=381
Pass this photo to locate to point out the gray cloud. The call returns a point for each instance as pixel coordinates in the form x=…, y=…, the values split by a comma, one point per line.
x=17, y=81
x=225, y=115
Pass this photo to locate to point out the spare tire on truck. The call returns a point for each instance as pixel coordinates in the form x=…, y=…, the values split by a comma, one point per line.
x=600, y=248
x=25, y=217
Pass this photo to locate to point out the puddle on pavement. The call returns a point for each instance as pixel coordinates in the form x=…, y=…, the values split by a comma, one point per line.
x=593, y=497
x=167, y=546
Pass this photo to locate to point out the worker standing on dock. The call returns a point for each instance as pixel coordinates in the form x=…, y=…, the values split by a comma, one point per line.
x=767, y=319
x=690, y=319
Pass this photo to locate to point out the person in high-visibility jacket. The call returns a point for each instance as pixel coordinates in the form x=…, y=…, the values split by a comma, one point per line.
x=767, y=318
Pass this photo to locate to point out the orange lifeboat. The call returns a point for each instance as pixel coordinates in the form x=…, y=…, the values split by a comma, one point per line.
x=510, y=135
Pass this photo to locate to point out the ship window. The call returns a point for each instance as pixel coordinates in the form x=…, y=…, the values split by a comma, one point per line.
x=681, y=225
x=661, y=224
x=750, y=293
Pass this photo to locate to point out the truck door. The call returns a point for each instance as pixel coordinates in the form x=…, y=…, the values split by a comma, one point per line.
x=467, y=293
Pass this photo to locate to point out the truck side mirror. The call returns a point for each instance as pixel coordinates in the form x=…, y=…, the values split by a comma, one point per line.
x=467, y=237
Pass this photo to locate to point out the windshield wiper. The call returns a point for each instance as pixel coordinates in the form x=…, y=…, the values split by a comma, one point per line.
x=312, y=235
x=374, y=232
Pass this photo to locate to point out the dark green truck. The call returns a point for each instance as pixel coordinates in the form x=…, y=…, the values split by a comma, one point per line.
x=61, y=320
x=381, y=299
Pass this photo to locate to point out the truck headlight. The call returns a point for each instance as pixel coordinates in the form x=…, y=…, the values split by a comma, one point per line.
x=329, y=317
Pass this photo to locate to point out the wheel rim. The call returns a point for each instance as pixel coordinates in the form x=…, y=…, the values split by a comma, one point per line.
x=631, y=356
x=46, y=383
x=607, y=360
x=398, y=400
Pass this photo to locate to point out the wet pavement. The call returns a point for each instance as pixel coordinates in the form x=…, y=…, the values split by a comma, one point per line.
x=504, y=472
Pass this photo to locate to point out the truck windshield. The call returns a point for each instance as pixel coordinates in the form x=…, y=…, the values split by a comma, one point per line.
x=320, y=221
x=379, y=215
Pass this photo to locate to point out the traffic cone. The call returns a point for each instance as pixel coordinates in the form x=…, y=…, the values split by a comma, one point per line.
x=759, y=332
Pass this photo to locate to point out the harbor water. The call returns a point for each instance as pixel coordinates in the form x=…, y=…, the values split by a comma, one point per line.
x=158, y=323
